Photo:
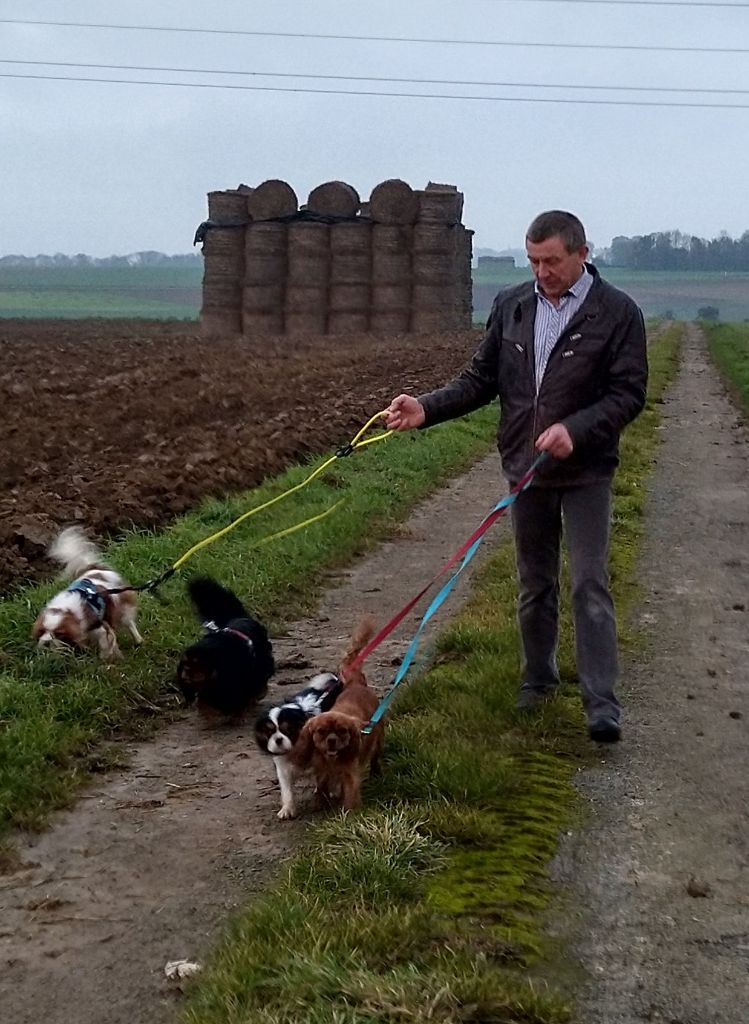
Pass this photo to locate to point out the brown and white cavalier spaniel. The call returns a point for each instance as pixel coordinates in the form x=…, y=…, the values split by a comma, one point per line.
x=85, y=616
x=332, y=743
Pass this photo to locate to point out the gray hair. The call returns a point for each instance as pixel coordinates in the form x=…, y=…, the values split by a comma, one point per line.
x=557, y=222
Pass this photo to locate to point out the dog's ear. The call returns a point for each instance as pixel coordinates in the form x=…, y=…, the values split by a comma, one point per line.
x=301, y=752
x=354, y=738
x=37, y=629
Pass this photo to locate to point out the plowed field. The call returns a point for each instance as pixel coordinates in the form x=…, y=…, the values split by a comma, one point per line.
x=114, y=424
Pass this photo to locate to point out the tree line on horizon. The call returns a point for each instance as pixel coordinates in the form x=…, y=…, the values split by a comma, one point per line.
x=674, y=250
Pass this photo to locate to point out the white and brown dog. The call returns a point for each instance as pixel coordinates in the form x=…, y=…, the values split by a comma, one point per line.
x=86, y=615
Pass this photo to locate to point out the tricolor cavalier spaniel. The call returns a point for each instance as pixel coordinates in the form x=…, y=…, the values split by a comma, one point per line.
x=87, y=614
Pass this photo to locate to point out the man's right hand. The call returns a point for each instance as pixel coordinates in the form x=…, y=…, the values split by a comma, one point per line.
x=404, y=413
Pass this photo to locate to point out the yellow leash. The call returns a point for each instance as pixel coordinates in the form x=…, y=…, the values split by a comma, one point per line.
x=355, y=443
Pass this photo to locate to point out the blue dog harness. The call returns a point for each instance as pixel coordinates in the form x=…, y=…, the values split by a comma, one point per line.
x=91, y=596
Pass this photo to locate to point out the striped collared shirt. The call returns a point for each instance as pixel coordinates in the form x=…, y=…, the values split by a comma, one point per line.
x=552, y=320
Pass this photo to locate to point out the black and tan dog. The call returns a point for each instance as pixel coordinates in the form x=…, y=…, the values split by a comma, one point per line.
x=228, y=669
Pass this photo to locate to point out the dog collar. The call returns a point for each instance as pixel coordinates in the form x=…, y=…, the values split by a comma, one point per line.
x=213, y=628
x=236, y=632
x=95, y=600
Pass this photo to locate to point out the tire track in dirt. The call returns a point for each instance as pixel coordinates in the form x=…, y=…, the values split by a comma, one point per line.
x=149, y=863
x=656, y=894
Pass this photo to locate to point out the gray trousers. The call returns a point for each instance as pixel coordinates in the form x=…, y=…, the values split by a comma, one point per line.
x=539, y=516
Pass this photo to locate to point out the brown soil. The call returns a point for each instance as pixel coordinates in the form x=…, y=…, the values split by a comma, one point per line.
x=116, y=424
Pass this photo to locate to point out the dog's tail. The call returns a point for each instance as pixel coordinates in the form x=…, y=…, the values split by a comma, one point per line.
x=75, y=552
x=359, y=640
x=214, y=603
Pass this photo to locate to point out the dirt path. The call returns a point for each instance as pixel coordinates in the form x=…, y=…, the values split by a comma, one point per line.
x=670, y=807
x=147, y=866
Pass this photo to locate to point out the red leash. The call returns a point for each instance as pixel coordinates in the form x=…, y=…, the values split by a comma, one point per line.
x=486, y=524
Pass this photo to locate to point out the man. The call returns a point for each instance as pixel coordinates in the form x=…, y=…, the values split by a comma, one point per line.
x=566, y=355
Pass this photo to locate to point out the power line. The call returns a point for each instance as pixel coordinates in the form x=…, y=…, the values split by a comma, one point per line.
x=373, y=92
x=634, y=3
x=380, y=39
x=371, y=78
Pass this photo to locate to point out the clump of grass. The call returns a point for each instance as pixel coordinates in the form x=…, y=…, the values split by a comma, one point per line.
x=373, y=860
x=479, y=794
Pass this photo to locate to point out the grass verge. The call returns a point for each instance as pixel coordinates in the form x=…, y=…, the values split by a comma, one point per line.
x=55, y=710
x=729, y=347
x=428, y=904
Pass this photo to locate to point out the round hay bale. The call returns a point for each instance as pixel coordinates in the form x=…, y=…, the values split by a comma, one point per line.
x=265, y=253
x=223, y=272
x=353, y=269
x=222, y=293
x=229, y=205
x=262, y=322
x=306, y=322
x=340, y=322
x=306, y=273
x=440, y=204
x=349, y=298
x=224, y=242
x=395, y=297
x=306, y=299
x=308, y=254
x=309, y=239
x=262, y=298
x=394, y=321
x=429, y=296
x=220, y=323
x=272, y=198
x=351, y=237
x=351, y=253
x=334, y=198
x=393, y=202
x=391, y=254
x=434, y=321
x=437, y=238
x=431, y=269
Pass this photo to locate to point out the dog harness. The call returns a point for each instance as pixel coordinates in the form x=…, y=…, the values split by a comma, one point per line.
x=213, y=628
x=91, y=596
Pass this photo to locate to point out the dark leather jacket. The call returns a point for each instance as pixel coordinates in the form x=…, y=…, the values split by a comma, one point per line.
x=595, y=382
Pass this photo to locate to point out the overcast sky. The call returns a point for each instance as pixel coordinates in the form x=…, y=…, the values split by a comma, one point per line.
x=114, y=168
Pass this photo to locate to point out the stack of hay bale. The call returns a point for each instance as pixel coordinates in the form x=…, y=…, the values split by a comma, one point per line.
x=266, y=257
x=224, y=262
x=400, y=262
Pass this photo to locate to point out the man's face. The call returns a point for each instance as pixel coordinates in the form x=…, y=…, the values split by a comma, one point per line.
x=554, y=268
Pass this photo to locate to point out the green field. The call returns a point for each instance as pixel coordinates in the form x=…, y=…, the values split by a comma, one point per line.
x=658, y=292
x=166, y=293
x=158, y=293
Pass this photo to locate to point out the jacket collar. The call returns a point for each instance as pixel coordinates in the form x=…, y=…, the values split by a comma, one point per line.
x=525, y=312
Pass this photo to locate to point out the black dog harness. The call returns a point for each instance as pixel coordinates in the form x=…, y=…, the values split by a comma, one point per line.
x=91, y=596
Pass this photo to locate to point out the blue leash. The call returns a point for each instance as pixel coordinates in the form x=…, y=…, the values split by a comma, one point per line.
x=440, y=598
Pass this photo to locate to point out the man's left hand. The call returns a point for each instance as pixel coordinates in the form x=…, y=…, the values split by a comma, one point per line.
x=556, y=441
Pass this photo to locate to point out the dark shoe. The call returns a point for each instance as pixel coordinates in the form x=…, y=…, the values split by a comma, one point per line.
x=605, y=730
x=528, y=699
